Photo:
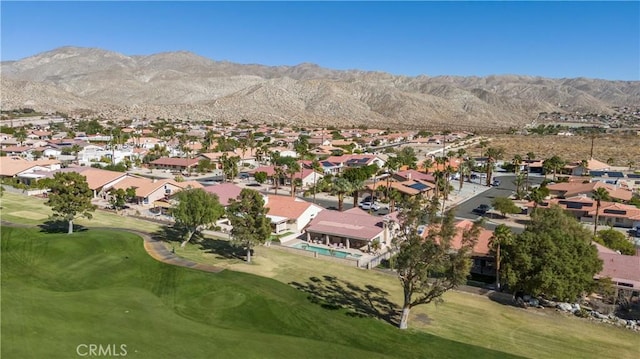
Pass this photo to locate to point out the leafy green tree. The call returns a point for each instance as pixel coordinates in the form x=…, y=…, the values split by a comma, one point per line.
x=195, y=210
x=505, y=206
x=615, y=240
x=70, y=197
x=248, y=217
x=428, y=267
x=502, y=235
x=552, y=257
x=120, y=197
x=260, y=177
x=357, y=176
x=537, y=195
x=599, y=195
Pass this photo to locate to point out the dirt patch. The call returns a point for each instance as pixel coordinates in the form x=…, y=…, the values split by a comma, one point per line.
x=621, y=150
x=423, y=319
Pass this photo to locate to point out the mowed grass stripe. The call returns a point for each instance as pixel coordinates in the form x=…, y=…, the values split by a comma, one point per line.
x=59, y=291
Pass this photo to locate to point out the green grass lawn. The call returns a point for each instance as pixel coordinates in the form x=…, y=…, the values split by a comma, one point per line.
x=100, y=287
x=463, y=317
x=31, y=210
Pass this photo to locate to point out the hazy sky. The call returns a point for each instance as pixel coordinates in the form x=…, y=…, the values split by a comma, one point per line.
x=550, y=39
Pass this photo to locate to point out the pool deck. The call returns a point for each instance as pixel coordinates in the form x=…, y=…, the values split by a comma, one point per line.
x=365, y=257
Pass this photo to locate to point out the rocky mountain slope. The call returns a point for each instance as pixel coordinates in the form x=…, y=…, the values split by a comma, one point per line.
x=185, y=85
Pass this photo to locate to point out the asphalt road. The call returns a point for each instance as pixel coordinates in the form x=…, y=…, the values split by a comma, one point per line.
x=506, y=188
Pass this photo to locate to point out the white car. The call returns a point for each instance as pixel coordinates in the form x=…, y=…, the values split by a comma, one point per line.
x=369, y=205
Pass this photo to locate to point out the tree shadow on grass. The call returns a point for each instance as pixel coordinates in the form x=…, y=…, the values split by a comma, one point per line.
x=59, y=226
x=168, y=234
x=503, y=298
x=368, y=301
x=222, y=248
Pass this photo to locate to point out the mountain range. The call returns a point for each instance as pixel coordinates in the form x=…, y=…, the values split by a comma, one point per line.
x=187, y=86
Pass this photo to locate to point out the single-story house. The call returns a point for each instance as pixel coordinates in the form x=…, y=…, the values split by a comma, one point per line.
x=224, y=191
x=583, y=208
x=572, y=189
x=623, y=270
x=353, y=228
x=149, y=191
x=297, y=212
x=15, y=166
x=174, y=163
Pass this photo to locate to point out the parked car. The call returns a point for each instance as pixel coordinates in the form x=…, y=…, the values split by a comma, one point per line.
x=482, y=209
x=369, y=199
x=496, y=182
x=369, y=206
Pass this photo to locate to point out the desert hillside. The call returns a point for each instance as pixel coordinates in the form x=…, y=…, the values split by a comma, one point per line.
x=185, y=85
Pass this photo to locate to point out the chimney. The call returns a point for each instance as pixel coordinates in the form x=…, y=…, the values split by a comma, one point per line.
x=409, y=175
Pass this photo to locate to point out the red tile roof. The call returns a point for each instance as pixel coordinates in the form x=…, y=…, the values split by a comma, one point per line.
x=175, y=161
x=288, y=207
x=354, y=223
x=619, y=267
x=225, y=192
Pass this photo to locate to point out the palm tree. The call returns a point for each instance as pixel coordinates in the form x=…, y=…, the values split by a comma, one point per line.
x=469, y=165
x=316, y=167
x=340, y=187
x=291, y=169
x=357, y=187
x=585, y=167
x=599, y=194
x=493, y=154
x=536, y=195
x=20, y=134
x=530, y=157
x=427, y=164
x=501, y=236
x=517, y=162
x=394, y=196
x=519, y=182
x=277, y=175
x=554, y=164
x=483, y=144
x=391, y=166
x=448, y=171
x=461, y=165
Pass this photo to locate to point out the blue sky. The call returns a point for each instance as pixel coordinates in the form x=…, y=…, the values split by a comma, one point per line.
x=550, y=39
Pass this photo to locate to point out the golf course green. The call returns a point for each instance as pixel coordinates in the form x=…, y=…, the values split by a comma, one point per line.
x=62, y=293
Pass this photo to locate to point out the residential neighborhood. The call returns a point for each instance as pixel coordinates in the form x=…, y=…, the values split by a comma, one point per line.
x=296, y=168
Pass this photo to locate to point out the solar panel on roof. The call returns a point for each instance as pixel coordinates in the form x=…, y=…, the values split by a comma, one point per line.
x=633, y=175
x=418, y=186
x=615, y=211
x=597, y=173
x=615, y=174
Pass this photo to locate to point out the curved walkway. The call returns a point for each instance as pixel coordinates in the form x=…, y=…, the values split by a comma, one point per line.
x=154, y=248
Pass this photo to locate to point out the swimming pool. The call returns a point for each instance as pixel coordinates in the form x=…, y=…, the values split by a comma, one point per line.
x=326, y=251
